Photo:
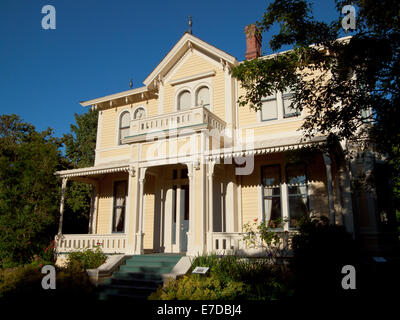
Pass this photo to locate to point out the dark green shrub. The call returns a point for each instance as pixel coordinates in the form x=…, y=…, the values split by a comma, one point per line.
x=198, y=287
x=72, y=283
x=258, y=279
x=87, y=259
x=320, y=250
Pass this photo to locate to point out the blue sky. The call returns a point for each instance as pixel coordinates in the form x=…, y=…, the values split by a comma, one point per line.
x=99, y=45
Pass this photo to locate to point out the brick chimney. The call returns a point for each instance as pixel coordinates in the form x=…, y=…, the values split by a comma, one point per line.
x=253, y=42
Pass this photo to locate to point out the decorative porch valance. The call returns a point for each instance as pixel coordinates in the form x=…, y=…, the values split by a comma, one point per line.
x=267, y=146
x=82, y=172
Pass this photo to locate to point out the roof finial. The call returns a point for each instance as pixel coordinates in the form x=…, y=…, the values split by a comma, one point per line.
x=190, y=24
x=131, y=84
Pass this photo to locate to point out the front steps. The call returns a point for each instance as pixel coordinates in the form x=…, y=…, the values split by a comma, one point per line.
x=138, y=277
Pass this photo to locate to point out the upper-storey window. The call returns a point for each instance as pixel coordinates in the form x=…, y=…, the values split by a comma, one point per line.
x=124, y=123
x=288, y=110
x=269, y=108
x=139, y=113
x=184, y=100
x=203, y=97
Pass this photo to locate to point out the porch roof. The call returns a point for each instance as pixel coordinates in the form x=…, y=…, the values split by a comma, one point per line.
x=95, y=170
x=267, y=146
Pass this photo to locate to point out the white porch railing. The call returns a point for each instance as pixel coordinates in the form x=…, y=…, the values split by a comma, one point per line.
x=108, y=243
x=232, y=242
x=176, y=120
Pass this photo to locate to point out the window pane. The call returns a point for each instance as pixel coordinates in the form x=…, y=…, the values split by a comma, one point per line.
x=203, y=97
x=139, y=114
x=269, y=110
x=296, y=174
x=298, y=208
x=271, y=180
x=272, y=208
x=125, y=119
x=119, y=206
x=287, y=99
x=123, y=133
x=271, y=176
x=184, y=100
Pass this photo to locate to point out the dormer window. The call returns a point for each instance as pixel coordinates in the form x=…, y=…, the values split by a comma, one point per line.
x=184, y=100
x=124, y=124
x=203, y=97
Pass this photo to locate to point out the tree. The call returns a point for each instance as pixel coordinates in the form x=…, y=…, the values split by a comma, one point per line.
x=29, y=191
x=80, y=147
x=350, y=87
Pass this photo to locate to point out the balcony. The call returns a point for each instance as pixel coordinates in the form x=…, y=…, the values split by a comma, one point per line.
x=173, y=123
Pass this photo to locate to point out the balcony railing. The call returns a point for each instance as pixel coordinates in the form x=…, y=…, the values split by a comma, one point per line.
x=109, y=243
x=194, y=118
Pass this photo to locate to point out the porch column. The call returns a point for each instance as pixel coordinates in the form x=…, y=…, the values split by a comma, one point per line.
x=63, y=187
x=130, y=214
x=178, y=212
x=347, y=200
x=328, y=162
x=190, y=232
x=93, y=212
x=210, y=229
x=139, y=224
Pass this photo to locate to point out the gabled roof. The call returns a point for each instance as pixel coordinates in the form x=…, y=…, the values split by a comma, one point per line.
x=187, y=42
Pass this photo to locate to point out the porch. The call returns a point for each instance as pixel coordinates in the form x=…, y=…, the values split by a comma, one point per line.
x=193, y=208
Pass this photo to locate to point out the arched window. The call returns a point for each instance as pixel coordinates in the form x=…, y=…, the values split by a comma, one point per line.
x=184, y=100
x=124, y=123
x=139, y=113
x=203, y=97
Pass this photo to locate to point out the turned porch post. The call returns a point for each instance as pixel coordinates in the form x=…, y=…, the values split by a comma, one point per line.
x=63, y=187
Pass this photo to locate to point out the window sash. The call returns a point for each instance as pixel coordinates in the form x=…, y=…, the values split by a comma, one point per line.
x=272, y=193
x=269, y=108
x=119, y=206
x=297, y=185
x=288, y=111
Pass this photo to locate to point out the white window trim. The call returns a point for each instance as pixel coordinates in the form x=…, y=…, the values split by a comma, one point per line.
x=119, y=122
x=192, y=87
x=177, y=94
x=136, y=108
x=281, y=116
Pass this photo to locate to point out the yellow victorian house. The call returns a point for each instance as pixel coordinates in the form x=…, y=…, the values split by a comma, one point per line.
x=181, y=168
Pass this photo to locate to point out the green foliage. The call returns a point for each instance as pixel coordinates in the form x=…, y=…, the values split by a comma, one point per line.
x=320, y=250
x=87, y=259
x=80, y=147
x=321, y=76
x=24, y=282
x=29, y=192
x=268, y=236
x=229, y=278
x=195, y=287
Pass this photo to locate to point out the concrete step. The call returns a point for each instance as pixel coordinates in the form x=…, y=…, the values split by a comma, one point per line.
x=145, y=269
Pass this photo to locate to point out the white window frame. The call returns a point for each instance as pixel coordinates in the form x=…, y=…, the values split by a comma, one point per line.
x=118, y=135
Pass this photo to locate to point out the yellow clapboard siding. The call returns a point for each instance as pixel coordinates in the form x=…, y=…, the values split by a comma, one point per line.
x=193, y=65
x=110, y=121
x=123, y=151
x=218, y=82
